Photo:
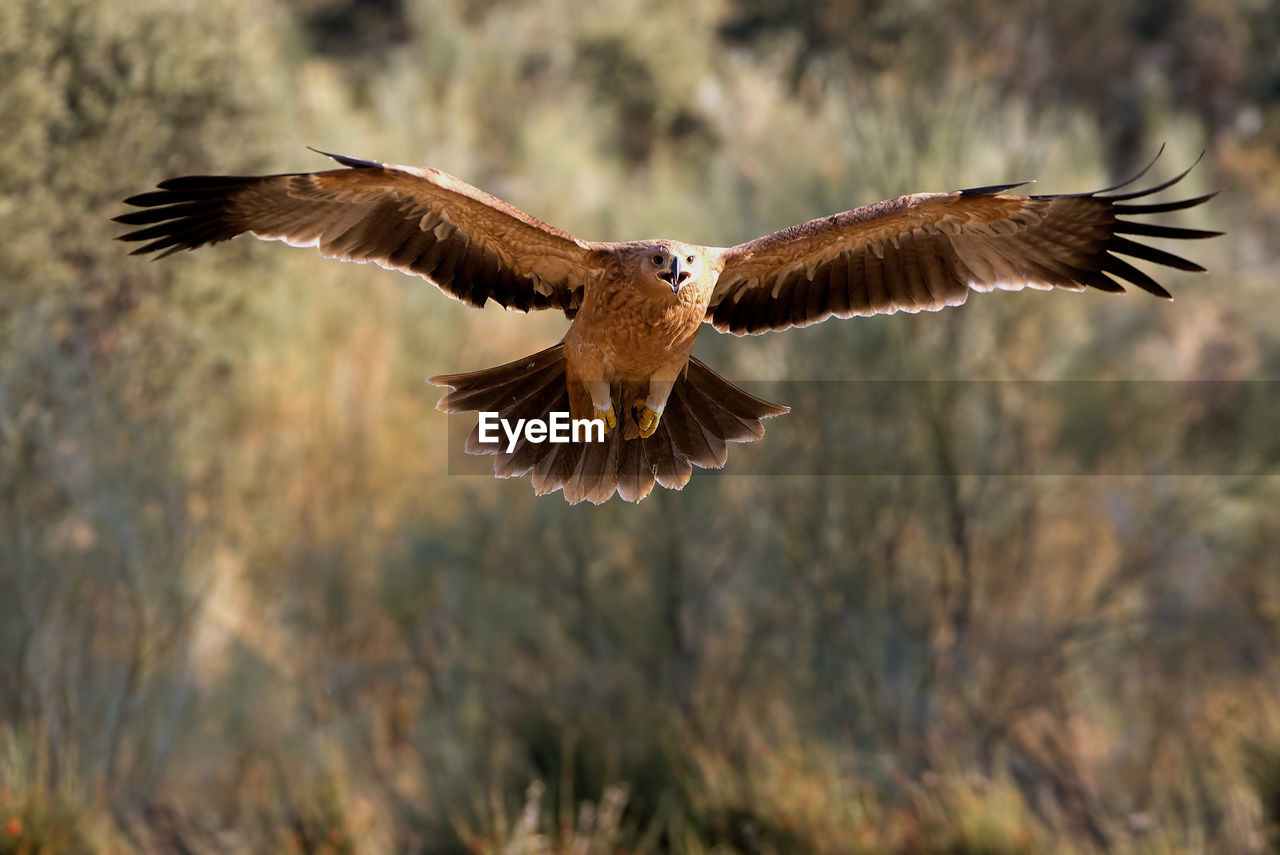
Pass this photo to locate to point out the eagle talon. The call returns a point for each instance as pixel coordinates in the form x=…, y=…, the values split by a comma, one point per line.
x=609, y=419
x=646, y=421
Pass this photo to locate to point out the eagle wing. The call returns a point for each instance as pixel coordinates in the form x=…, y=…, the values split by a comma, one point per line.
x=928, y=250
x=473, y=246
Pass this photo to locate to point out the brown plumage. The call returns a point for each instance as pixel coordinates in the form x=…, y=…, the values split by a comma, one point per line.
x=637, y=307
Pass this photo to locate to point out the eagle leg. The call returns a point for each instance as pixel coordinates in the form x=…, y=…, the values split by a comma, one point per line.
x=602, y=403
x=606, y=415
x=646, y=409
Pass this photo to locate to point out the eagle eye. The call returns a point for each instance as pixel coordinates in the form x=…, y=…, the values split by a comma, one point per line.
x=657, y=259
x=689, y=259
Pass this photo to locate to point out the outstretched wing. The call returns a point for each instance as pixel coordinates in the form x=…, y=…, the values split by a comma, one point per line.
x=472, y=245
x=928, y=250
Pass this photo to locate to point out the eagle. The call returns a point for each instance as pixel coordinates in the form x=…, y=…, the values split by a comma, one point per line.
x=637, y=307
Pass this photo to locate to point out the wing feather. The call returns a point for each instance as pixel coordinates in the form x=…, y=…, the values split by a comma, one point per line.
x=928, y=250
x=473, y=246
x=819, y=293
x=860, y=290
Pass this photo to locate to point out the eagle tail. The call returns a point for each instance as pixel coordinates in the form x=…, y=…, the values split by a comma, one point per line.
x=704, y=413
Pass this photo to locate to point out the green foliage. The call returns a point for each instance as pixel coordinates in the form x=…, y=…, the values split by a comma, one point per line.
x=244, y=606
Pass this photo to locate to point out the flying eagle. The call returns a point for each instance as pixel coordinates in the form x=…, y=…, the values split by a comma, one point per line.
x=637, y=307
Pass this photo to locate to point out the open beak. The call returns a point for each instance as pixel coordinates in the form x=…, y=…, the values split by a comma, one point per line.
x=673, y=275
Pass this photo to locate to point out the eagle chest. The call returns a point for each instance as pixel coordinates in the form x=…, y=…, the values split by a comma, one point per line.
x=634, y=331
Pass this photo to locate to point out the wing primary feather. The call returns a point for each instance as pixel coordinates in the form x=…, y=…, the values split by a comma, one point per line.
x=1130, y=227
x=1156, y=189
x=994, y=189
x=1141, y=172
x=153, y=198
x=167, y=212
x=1098, y=279
x=1164, y=207
x=1125, y=270
x=155, y=246
x=201, y=185
x=175, y=229
x=190, y=230
x=352, y=162
x=1124, y=246
x=189, y=237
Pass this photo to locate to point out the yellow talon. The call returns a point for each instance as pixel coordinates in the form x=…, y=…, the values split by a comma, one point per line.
x=647, y=422
x=609, y=419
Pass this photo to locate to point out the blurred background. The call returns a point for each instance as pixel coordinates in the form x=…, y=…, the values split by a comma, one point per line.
x=244, y=607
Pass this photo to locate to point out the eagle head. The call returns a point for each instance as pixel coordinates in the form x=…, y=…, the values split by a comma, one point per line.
x=671, y=263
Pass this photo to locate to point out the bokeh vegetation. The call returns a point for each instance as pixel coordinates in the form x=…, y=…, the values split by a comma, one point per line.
x=244, y=606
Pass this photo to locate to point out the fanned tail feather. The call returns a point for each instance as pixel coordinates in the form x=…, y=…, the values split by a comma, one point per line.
x=704, y=413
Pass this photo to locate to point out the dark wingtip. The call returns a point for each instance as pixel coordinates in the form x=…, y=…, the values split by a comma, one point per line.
x=1163, y=207
x=1135, y=194
x=1141, y=172
x=992, y=189
x=352, y=162
x=1133, y=227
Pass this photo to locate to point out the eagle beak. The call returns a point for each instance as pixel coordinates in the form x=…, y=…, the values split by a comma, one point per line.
x=673, y=275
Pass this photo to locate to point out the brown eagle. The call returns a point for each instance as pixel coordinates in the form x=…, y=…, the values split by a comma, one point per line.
x=636, y=307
